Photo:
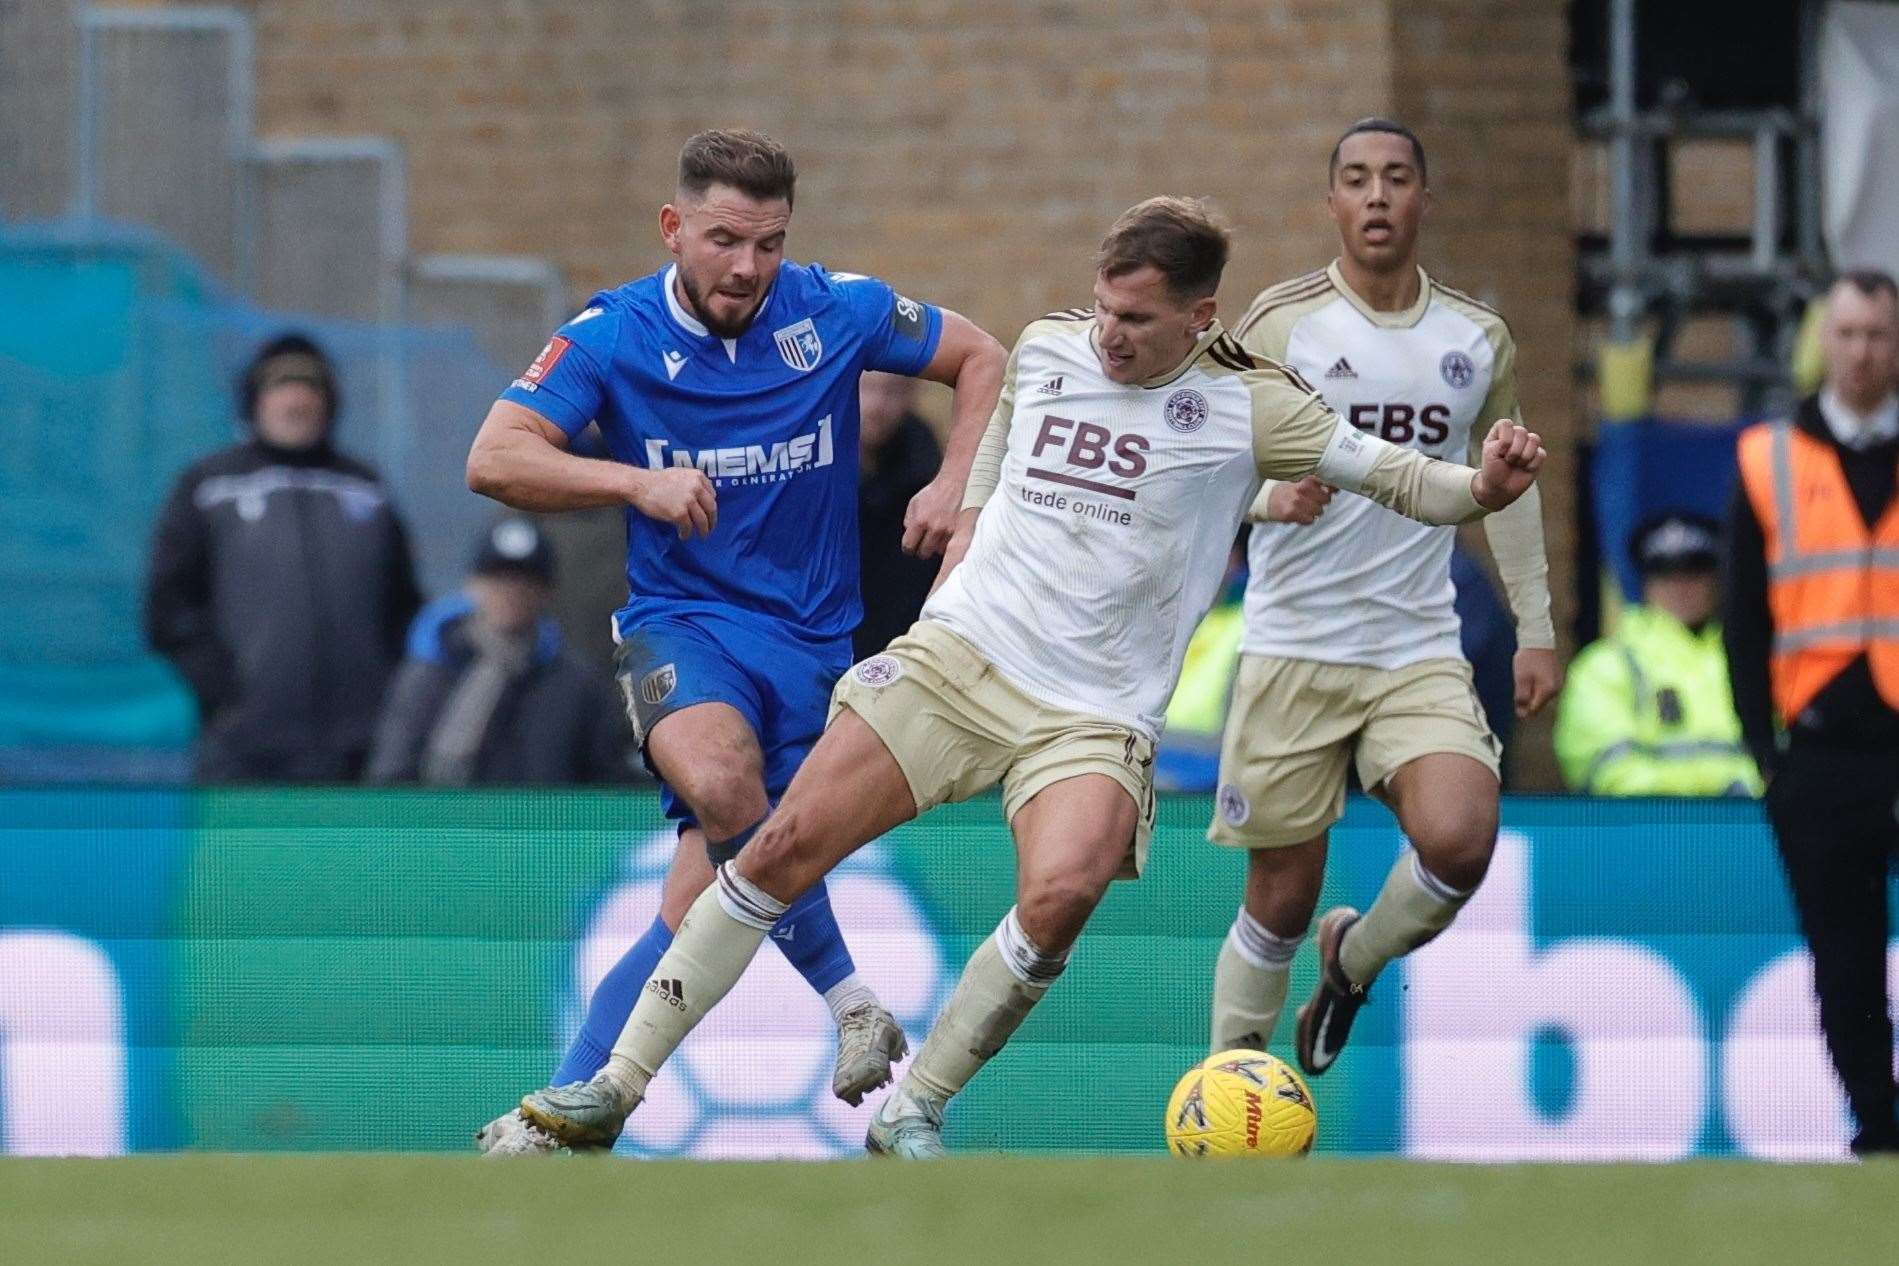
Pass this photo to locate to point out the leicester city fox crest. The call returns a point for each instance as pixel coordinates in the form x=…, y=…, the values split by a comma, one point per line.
x=800, y=345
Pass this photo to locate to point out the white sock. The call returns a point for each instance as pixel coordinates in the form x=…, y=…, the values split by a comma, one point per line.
x=848, y=995
x=1005, y=978
x=715, y=943
x=1412, y=907
x=1250, y=981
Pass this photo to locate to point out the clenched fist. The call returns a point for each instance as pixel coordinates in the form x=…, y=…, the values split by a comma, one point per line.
x=1302, y=502
x=679, y=495
x=1512, y=456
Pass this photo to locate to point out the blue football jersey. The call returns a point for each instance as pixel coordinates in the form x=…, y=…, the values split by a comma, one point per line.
x=769, y=416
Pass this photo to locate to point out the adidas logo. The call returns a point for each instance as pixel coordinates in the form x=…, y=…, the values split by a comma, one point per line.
x=1053, y=387
x=1342, y=368
x=671, y=991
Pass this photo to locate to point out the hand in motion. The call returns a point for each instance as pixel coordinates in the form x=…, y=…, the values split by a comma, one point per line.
x=681, y=496
x=1538, y=679
x=1302, y=502
x=931, y=518
x=1512, y=456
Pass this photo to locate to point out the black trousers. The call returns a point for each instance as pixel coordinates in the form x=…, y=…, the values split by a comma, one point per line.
x=1835, y=814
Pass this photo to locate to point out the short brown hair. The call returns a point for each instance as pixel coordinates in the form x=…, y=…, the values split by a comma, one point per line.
x=747, y=161
x=1181, y=237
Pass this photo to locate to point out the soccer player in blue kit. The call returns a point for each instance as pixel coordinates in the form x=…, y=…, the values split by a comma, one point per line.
x=725, y=386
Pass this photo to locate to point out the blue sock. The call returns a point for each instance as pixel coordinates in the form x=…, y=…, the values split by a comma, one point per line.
x=612, y=1003
x=808, y=935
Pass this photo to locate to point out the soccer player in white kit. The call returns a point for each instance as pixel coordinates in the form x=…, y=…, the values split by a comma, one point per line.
x=1124, y=451
x=1350, y=649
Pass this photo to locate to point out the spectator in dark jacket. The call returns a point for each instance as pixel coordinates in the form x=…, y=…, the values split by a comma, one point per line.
x=488, y=693
x=281, y=585
x=897, y=454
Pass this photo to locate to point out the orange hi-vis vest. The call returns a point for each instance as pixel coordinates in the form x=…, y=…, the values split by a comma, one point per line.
x=1832, y=584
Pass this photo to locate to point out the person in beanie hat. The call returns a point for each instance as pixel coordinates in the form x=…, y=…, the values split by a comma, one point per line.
x=489, y=692
x=281, y=584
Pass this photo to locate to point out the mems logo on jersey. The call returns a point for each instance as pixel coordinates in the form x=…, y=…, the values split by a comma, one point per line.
x=750, y=463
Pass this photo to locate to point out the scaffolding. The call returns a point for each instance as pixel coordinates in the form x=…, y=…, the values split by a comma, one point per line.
x=1648, y=279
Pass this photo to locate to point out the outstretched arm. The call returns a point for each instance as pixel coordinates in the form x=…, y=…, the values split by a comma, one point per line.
x=1401, y=479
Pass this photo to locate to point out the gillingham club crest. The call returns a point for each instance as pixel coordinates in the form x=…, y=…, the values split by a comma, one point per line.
x=800, y=345
x=1186, y=411
x=658, y=686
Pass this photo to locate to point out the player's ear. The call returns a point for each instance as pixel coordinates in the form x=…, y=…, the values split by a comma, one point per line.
x=670, y=222
x=1201, y=315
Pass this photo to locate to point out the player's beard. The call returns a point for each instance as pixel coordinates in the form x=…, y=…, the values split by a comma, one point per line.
x=723, y=329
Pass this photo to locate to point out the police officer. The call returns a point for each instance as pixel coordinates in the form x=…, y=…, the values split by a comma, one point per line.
x=1812, y=627
x=1647, y=711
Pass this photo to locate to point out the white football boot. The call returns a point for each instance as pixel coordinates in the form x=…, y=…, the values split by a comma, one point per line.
x=512, y=1134
x=869, y=1041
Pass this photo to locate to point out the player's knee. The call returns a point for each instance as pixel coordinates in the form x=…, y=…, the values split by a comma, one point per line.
x=726, y=800
x=1054, y=908
x=1456, y=846
x=1282, y=886
x=776, y=856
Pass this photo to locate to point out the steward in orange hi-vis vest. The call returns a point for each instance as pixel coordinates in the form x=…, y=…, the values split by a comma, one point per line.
x=1811, y=624
x=1833, y=580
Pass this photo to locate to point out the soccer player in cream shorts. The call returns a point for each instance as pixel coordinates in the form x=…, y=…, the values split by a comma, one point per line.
x=1351, y=651
x=1124, y=451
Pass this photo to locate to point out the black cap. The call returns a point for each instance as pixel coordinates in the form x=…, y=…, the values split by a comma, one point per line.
x=515, y=547
x=1675, y=544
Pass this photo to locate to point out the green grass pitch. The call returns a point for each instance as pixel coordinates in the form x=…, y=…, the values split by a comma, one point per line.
x=201, y=1210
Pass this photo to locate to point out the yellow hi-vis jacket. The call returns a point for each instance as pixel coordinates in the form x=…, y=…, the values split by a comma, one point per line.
x=1206, y=676
x=1648, y=712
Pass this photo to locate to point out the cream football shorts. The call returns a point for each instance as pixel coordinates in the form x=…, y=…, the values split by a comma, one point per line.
x=957, y=727
x=1296, y=723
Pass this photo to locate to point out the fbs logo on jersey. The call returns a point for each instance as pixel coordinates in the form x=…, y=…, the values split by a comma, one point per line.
x=753, y=463
x=800, y=345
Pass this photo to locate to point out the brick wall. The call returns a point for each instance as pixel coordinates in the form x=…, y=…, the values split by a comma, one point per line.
x=1485, y=83
x=969, y=150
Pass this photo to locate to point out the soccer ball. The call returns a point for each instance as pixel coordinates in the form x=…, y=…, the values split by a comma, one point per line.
x=1241, y=1103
